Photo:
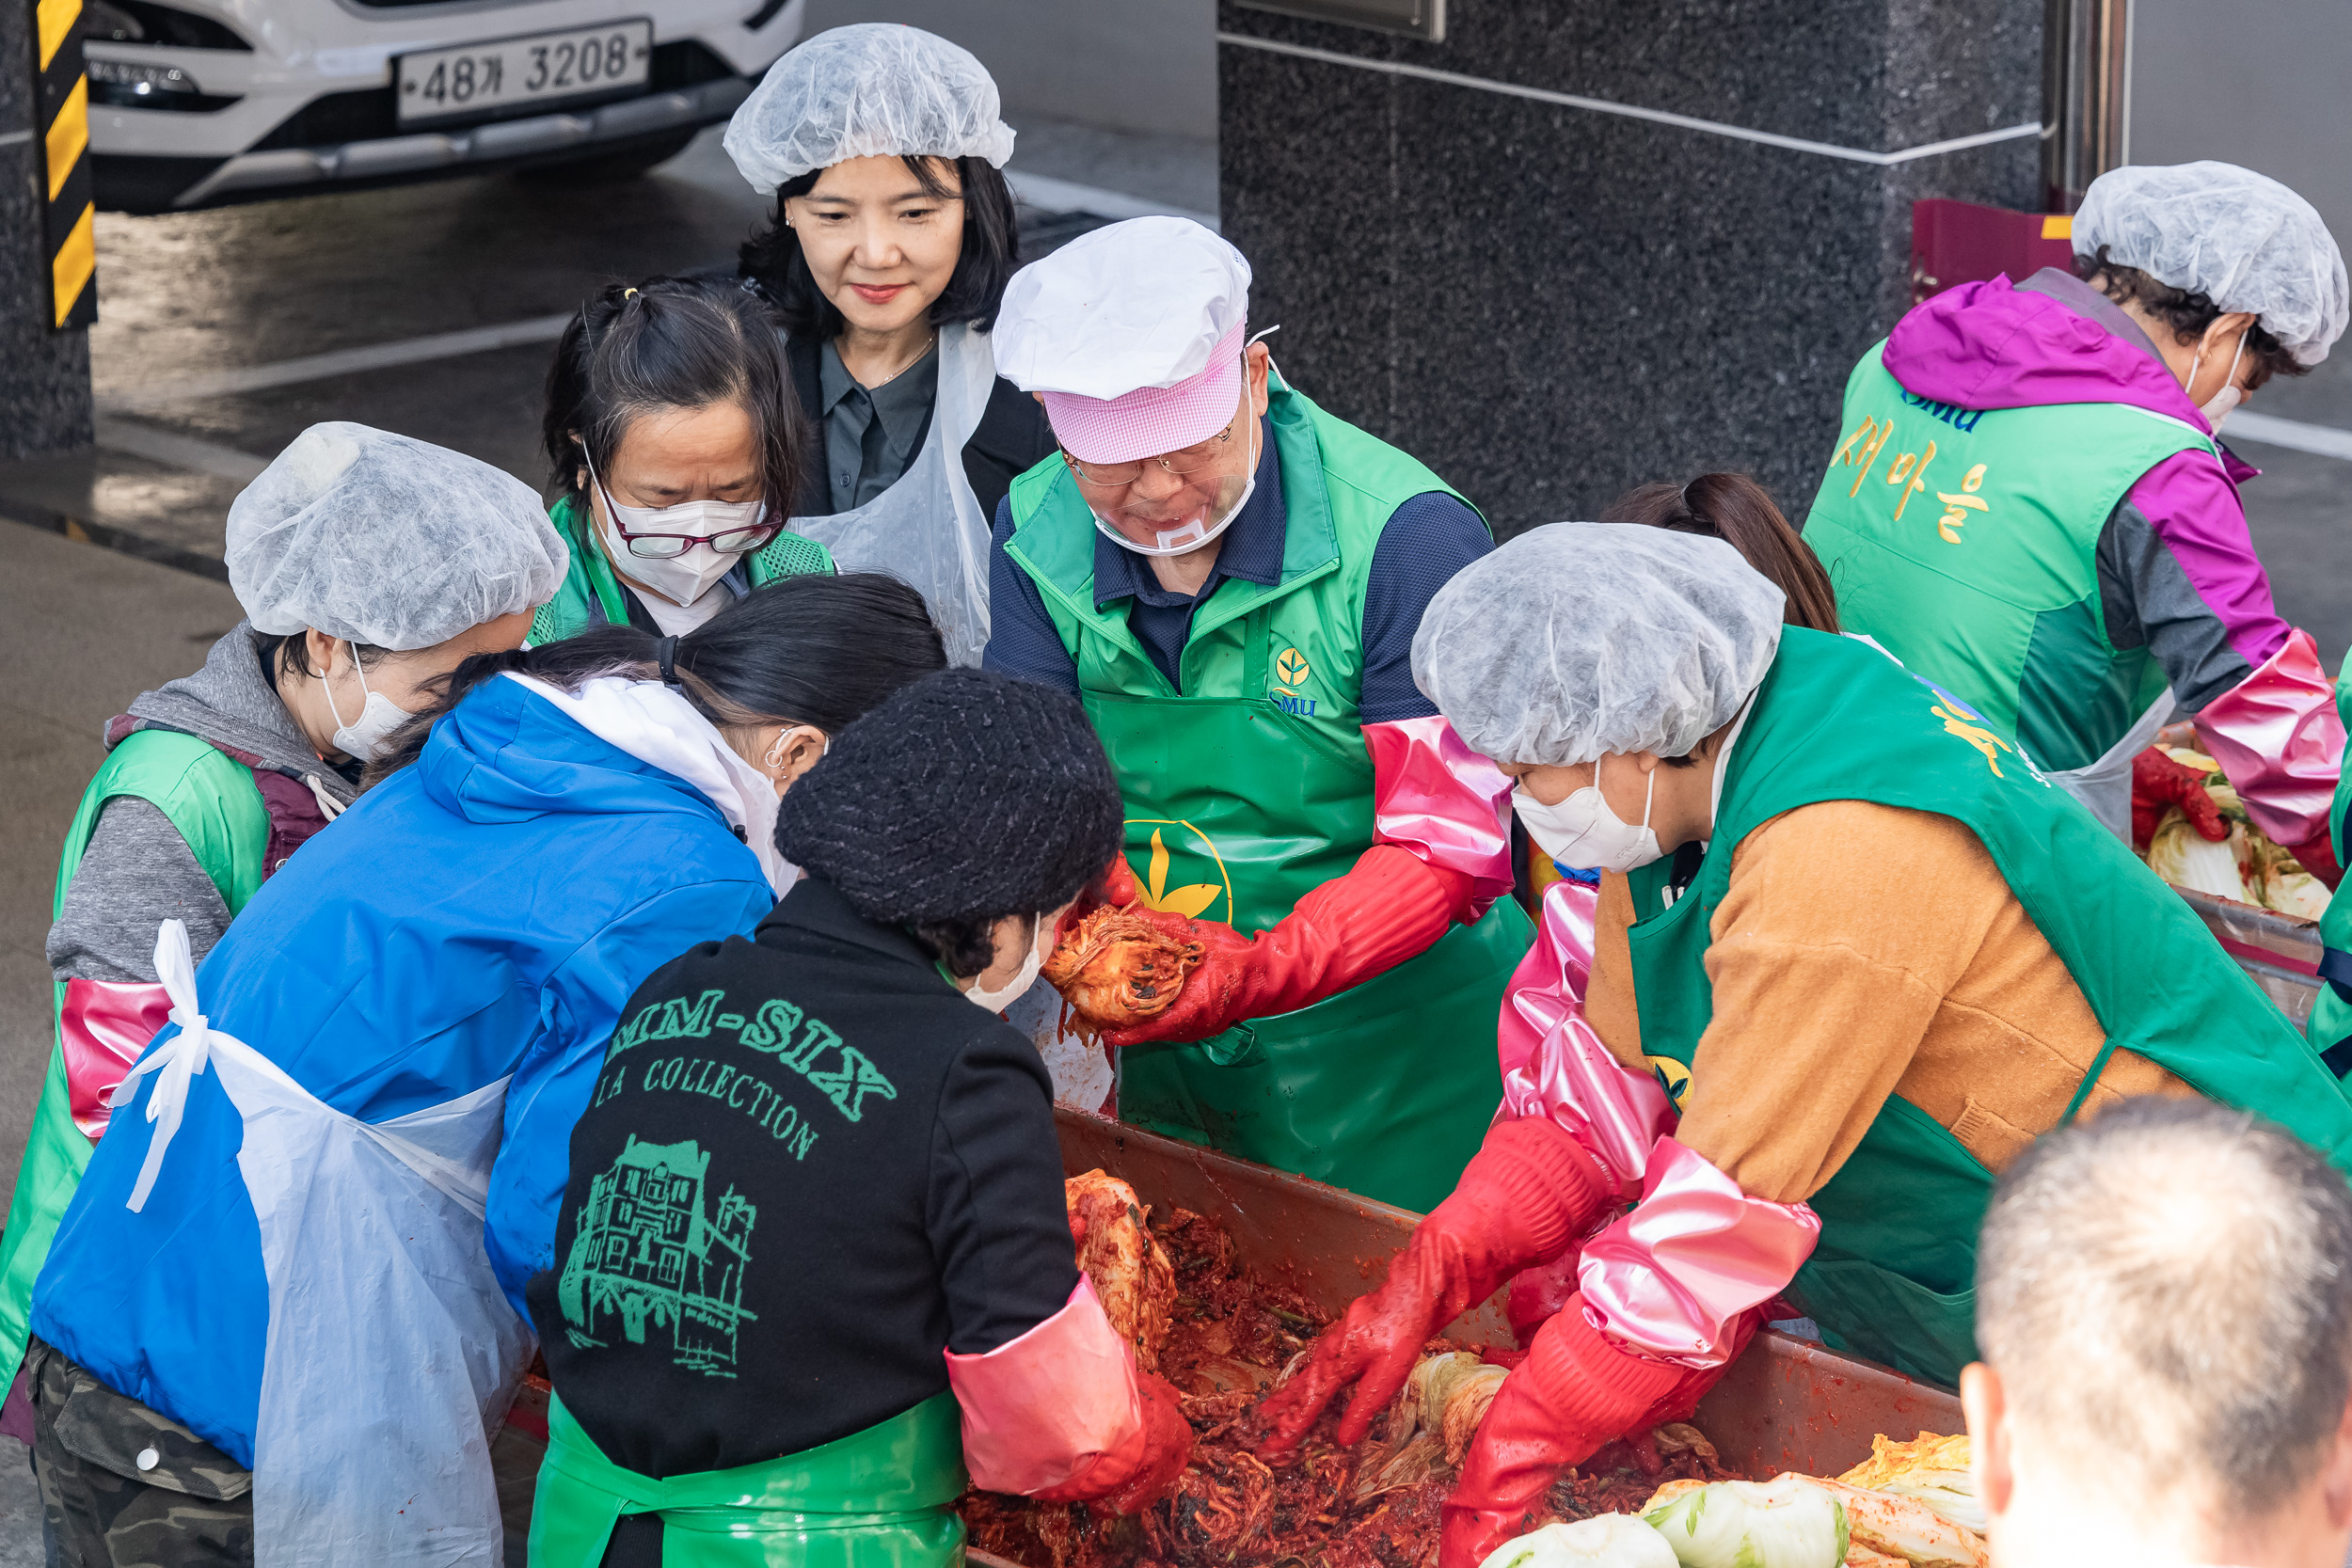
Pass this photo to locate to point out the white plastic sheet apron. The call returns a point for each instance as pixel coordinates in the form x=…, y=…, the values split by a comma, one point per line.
x=390, y=1347
x=926, y=529
x=2106, y=787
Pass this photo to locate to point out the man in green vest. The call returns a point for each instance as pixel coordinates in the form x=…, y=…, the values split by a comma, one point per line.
x=1228, y=579
x=1852, y=953
x=2027, y=501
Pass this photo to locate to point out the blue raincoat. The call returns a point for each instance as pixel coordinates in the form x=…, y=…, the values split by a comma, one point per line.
x=484, y=914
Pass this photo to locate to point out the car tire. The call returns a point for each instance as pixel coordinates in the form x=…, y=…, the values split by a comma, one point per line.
x=605, y=168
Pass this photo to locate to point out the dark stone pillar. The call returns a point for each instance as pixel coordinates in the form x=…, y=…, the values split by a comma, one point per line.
x=45, y=374
x=1551, y=304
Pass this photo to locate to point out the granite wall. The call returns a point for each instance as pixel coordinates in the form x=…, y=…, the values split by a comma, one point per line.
x=45, y=375
x=1549, y=305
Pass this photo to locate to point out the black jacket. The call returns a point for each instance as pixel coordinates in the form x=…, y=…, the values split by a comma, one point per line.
x=808, y=1167
x=1013, y=437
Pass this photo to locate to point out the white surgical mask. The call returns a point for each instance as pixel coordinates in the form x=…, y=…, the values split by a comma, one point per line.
x=1582, y=832
x=379, y=716
x=1010, y=991
x=2217, y=407
x=1191, y=536
x=685, y=578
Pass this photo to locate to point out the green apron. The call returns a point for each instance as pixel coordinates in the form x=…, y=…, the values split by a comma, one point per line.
x=1965, y=542
x=590, y=592
x=210, y=798
x=1892, y=1276
x=1251, y=788
x=877, y=1499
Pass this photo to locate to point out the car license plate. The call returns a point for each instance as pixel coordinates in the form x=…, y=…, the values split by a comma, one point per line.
x=438, y=84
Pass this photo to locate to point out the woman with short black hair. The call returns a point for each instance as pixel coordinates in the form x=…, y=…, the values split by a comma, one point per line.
x=887, y=256
x=672, y=449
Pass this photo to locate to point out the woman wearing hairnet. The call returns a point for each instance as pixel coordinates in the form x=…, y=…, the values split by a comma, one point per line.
x=887, y=257
x=1851, y=953
x=2028, y=502
x=286, y=1298
x=368, y=565
x=670, y=439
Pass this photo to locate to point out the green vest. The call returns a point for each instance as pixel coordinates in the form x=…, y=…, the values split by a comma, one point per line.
x=212, y=800
x=1892, y=1276
x=877, y=1499
x=590, y=591
x=1253, y=787
x=1965, y=542
x=2331, y=1015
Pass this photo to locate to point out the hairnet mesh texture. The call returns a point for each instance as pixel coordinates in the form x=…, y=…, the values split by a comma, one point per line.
x=2241, y=239
x=386, y=540
x=868, y=90
x=1577, y=640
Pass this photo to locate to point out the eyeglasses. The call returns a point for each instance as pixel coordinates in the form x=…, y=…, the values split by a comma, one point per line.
x=1191, y=460
x=665, y=547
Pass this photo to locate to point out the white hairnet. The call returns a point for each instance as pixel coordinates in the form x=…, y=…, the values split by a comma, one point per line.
x=870, y=89
x=2241, y=239
x=380, y=539
x=1583, y=639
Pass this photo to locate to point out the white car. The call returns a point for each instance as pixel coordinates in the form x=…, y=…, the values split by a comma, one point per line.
x=199, y=102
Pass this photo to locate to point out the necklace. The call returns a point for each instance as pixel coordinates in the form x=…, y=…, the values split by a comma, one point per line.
x=877, y=386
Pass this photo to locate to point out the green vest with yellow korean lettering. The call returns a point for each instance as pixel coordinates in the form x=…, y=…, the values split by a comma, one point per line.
x=1893, y=1276
x=1965, y=542
x=1251, y=788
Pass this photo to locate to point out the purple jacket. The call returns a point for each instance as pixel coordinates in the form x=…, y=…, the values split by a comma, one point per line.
x=2177, y=569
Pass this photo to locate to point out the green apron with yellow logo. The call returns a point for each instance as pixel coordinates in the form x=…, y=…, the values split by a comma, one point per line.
x=1251, y=788
x=1965, y=542
x=590, y=590
x=1892, y=1276
x=877, y=1499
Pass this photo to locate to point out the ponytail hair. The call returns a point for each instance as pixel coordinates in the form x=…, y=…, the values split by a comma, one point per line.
x=1740, y=512
x=809, y=649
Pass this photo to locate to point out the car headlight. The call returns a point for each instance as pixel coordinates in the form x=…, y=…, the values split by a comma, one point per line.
x=145, y=22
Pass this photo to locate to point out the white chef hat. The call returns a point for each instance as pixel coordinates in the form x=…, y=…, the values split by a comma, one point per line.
x=1133, y=334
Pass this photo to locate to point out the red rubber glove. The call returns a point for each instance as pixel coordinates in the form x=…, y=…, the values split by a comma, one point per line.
x=2158, y=782
x=1575, y=1391
x=1115, y=884
x=1388, y=909
x=2319, y=857
x=1144, y=1471
x=1531, y=1190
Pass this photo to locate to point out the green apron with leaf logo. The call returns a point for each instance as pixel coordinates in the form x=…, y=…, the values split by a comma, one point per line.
x=877, y=1499
x=590, y=590
x=1252, y=787
x=1892, y=1276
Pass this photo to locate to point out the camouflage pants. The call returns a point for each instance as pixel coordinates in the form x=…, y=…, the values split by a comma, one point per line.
x=128, y=1487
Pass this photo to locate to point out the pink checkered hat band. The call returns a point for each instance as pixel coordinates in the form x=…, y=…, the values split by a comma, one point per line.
x=1152, y=419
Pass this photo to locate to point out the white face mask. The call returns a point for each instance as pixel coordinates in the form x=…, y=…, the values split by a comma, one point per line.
x=680, y=578
x=1190, y=535
x=379, y=716
x=2217, y=407
x=1010, y=991
x=1582, y=832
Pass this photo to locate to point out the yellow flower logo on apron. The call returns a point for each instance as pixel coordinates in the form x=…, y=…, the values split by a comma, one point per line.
x=1191, y=899
x=1673, y=1077
x=1291, y=670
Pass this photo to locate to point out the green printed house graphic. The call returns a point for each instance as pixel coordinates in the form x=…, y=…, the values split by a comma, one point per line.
x=649, y=1252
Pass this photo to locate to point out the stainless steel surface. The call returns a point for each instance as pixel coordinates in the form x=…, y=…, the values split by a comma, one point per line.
x=2254, y=937
x=2085, y=63
x=1418, y=19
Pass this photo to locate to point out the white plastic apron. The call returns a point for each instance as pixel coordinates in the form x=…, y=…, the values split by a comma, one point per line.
x=927, y=530
x=2106, y=787
x=390, y=1348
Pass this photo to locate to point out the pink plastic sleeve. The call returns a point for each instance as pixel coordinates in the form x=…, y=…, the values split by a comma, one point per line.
x=1434, y=796
x=1039, y=1409
x=1670, y=1278
x=1556, y=1067
x=2280, y=741
x=102, y=1029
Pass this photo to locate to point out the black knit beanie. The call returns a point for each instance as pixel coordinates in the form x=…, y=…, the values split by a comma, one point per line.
x=965, y=795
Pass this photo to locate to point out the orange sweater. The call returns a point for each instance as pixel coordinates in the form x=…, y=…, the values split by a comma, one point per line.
x=1861, y=951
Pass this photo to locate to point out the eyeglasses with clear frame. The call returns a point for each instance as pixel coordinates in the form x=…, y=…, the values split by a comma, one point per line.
x=1188, y=460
